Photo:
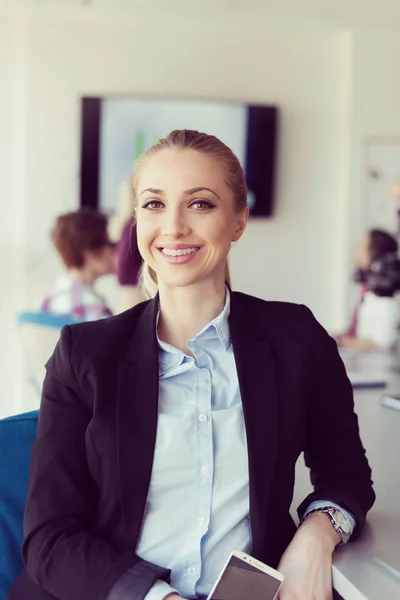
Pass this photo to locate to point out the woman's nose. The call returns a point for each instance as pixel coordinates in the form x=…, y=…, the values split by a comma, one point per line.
x=174, y=224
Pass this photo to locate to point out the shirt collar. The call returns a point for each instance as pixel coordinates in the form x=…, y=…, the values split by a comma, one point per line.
x=170, y=357
x=219, y=326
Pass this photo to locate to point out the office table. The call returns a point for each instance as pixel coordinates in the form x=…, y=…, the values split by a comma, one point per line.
x=358, y=573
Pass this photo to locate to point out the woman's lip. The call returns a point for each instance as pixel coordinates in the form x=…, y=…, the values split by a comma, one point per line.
x=179, y=259
x=178, y=246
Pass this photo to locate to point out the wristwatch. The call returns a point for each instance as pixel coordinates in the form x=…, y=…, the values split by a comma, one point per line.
x=340, y=522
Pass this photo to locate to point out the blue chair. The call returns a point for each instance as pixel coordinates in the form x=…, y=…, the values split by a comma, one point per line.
x=17, y=434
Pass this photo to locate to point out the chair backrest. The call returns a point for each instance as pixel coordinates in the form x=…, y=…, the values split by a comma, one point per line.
x=16, y=437
x=39, y=334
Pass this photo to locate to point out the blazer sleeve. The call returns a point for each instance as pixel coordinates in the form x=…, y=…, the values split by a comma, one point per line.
x=334, y=452
x=62, y=553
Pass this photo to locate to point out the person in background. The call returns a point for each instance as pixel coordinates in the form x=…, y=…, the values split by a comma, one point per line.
x=129, y=265
x=375, y=318
x=82, y=242
x=122, y=230
x=168, y=435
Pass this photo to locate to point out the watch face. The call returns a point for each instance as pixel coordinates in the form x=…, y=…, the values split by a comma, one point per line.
x=342, y=521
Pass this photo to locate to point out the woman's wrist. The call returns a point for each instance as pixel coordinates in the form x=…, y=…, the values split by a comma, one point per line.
x=318, y=529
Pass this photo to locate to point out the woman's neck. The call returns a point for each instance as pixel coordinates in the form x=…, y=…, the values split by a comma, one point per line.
x=185, y=311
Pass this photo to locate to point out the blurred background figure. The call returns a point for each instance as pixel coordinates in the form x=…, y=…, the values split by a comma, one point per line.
x=128, y=266
x=122, y=230
x=375, y=317
x=83, y=244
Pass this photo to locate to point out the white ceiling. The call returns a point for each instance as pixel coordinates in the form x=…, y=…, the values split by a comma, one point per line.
x=343, y=12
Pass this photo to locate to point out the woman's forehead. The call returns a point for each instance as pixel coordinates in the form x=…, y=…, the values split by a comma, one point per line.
x=174, y=167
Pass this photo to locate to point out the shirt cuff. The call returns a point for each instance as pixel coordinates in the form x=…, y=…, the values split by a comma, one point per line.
x=123, y=589
x=322, y=503
x=159, y=591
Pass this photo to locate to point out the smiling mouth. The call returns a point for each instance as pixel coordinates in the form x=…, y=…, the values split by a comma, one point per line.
x=179, y=251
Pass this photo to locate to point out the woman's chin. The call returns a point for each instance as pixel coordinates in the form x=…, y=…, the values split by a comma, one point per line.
x=196, y=281
x=177, y=282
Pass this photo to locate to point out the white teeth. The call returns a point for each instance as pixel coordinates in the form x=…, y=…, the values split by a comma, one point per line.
x=183, y=252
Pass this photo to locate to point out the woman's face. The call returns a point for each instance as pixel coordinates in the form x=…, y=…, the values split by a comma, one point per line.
x=186, y=217
x=362, y=254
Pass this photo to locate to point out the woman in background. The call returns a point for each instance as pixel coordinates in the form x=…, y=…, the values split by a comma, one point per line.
x=122, y=229
x=375, y=318
x=81, y=240
x=129, y=266
x=168, y=435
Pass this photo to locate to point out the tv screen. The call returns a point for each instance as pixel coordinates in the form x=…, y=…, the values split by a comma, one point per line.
x=116, y=130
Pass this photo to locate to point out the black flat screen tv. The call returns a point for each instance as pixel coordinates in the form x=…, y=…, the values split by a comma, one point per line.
x=116, y=130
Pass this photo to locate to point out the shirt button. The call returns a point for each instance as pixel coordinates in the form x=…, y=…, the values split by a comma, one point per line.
x=191, y=570
x=203, y=470
x=203, y=418
x=201, y=520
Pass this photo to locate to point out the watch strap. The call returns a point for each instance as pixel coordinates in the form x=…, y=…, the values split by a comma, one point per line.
x=329, y=511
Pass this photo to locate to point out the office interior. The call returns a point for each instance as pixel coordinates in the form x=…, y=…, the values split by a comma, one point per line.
x=332, y=70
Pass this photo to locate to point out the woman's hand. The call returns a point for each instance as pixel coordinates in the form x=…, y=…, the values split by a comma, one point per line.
x=307, y=563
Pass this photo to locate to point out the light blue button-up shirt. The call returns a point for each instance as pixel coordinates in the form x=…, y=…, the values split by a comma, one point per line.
x=197, y=509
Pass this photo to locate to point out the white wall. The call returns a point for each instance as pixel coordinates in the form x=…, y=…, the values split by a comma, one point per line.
x=11, y=210
x=376, y=110
x=303, y=67
x=374, y=97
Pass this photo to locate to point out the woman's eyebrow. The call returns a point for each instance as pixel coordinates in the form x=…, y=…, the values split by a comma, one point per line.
x=200, y=189
x=190, y=192
x=153, y=191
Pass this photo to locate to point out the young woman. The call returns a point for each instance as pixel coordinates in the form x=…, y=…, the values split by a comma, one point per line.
x=168, y=435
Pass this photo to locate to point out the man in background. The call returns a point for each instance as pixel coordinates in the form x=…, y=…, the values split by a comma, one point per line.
x=82, y=242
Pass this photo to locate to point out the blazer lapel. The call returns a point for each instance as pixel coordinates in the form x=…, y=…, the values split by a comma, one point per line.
x=260, y=398
x=137, y=418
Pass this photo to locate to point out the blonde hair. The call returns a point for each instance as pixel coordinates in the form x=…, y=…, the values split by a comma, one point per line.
x=206, y=144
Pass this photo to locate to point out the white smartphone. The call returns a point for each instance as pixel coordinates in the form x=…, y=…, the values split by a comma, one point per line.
x=246, y=578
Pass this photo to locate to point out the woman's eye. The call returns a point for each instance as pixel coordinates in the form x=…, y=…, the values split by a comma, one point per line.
x=202, y=205
x=152, y=204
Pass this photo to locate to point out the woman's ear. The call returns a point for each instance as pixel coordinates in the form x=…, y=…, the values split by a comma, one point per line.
x=241, y=223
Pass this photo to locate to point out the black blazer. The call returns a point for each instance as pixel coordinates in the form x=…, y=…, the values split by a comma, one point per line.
x=92, y=461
